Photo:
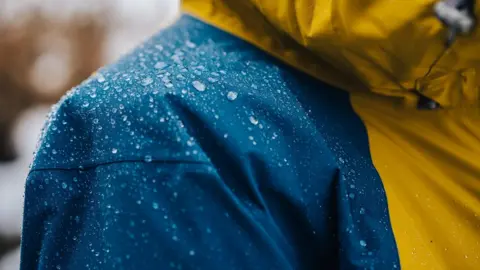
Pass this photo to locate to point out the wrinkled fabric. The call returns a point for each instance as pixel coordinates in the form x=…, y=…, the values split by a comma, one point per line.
x=199, y=151
x=393, y=48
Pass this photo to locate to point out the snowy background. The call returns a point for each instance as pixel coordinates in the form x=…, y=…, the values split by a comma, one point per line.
x=129, y=22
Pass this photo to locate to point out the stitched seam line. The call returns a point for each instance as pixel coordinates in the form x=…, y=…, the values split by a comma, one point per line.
x=91, y=166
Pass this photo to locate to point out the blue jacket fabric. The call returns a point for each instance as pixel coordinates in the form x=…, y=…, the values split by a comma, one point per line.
x=199, y=151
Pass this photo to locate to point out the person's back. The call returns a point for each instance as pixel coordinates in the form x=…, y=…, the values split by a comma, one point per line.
x=200, y=151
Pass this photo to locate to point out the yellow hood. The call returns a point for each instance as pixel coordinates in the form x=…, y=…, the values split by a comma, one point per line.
x=385, y=46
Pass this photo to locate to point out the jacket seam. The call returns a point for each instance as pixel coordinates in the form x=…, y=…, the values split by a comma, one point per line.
x=92, y=166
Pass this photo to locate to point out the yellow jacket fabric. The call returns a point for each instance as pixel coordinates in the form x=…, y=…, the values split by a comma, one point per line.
x=380, y=51
x=388, y=47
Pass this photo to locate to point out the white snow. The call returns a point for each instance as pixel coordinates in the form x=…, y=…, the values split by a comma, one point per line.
x=11, y=261
x=131, y=22
x=13, y=174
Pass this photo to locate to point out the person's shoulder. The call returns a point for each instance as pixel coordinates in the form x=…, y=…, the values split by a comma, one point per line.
x=125, y=111
x=187, y=82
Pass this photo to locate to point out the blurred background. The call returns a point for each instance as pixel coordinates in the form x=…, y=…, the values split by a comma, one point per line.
x=47, y=47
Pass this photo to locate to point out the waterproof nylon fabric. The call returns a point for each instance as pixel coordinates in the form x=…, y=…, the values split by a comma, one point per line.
x=199, y=151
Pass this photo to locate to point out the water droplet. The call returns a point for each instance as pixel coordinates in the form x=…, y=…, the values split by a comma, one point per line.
x=100, y=78
x=199, y=86
x=175, y=238
x=147, y=81
x=166, y=79
x=190, y=44
x=177, y=58
x=64, y=185
x=114, y=150
x=160, y=65
x=253, y=120
x=363, y=243
x=192, y=252
x=362, y=211
x=159, y=47
x=155, y=205
x=148, y=158
x=232, y=95
x=351, y=195
x=162, y=119
x=180, y=124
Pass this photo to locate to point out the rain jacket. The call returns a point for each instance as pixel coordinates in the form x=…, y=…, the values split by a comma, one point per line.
x=199, y=150
x=428, y=161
